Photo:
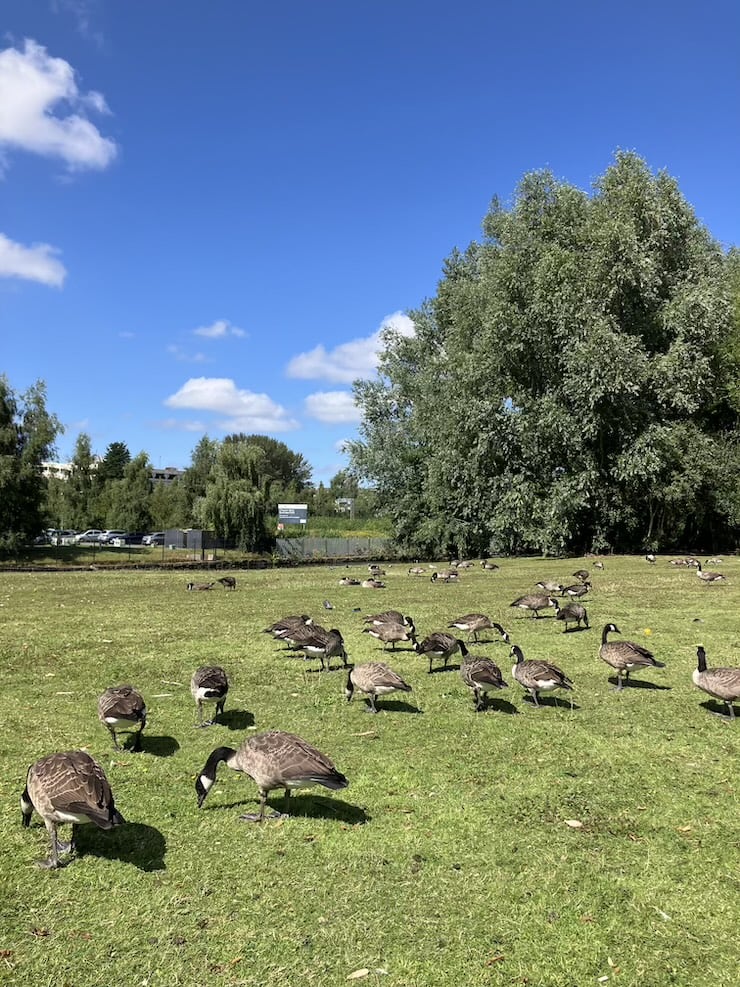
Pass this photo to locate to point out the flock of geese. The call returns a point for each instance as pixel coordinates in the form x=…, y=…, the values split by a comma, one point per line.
x=71, y=787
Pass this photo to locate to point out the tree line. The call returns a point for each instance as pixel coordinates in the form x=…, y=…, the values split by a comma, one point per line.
x=232, y=486
x=573, y=385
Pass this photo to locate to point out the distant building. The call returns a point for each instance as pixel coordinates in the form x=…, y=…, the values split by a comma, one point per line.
x=63, y=471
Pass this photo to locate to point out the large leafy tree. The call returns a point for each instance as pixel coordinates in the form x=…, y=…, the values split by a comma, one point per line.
x=131, y=495
x=237, y=494
x=27, y=435
x=560, y=391
x=80, y=493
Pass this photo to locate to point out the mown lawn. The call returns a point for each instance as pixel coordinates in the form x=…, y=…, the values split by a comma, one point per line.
x=448, y=860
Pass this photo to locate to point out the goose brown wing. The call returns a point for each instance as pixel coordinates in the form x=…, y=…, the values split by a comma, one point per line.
x=387, y=617
x=635, y=653
x=481, y=671
x=724, y=682
x=438, y=642
x=538, y=671
x=293, y=759
x=73, y=782
x=376, y=674
x=123, y=702
x=211, y=677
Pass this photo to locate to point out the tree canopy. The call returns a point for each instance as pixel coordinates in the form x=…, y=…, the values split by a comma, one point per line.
x=569, y=386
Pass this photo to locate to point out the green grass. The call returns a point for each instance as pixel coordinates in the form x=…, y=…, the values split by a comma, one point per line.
x=446, y=862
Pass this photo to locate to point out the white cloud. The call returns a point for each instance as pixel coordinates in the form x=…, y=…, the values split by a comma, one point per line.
x=36, y=263
x=333, y=407
x=219, y=330
x=179, y=354
x=245, y=411
x=32, y=84
x=348, y=361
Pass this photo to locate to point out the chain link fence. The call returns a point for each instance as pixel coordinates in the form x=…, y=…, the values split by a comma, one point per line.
x=306, y=549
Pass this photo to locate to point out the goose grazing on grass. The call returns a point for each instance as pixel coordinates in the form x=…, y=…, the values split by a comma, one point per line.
x=122, y=709
x=722, y=683
x=272, y=760
x=534, y=602
x=538, y=676
x=482, y=676
x=372, y=584
x=441, y=645
x=392, y=633
x=209, y=684
x=551, y=587
x=581, y=575
x=348, y=581
x=446, y=576
x=282, y=627
x=200, y=586
x=374, y=679
x=228, y=582
x=68, y=788
x=625, y=656
x=708, y=577
x=573, y=613
x=387, y=617
x=417, y=570
x=650, y=558
x=317, y=642
x=489, y=566
x=475, y=622
x=577, y=590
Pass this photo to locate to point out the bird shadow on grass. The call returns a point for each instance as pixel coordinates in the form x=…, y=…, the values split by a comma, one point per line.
x=305, y=807
x=640, y=684
x=716, y=708
x=575, y=630
x=236, y=719
x=131, y=843
x=396, y=706
x=550, y=701
x=162, y=746
x=438, y=669
x=498, y=706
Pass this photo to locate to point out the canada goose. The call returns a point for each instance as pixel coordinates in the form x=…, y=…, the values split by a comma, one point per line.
x=446, y=576
x=490, y=566
x=482, y=676
x=392, y=633
x=713, y=562
x=538, y=676
x=691, y=561
x=534, y=602
x=417, y=570
x=348, y=581
x=722, y=683
x=200, y=586
x=272, y=760
x=441, y=645
x=209, y=684
x=572, y=613
x=475, y=622
x=598, y=565
x=68, y=788
x=121, y=708
x=581, y=575
x=465, y=565
x=577, y=589
x=285, y=624
x=550, y=587
x=374, y=679
x=375, y=570
x=650, y=558
x=624, y=656
x=387, y=617
x=372, y=584
x=317, y=642
x=708, y=577
x=678, y=562
x=228, y=582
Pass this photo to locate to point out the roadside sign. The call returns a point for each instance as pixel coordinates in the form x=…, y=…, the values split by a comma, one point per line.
x=293, y=513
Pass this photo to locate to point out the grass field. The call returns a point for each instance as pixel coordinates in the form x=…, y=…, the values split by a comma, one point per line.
x=447, y=861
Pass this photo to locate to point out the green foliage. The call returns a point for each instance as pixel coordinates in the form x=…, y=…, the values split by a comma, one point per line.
x=236, y=496
x=114, y=463
x=131, y=496
x=27, y=435
x=168, y=506
x=81, y=489
x=564, y=389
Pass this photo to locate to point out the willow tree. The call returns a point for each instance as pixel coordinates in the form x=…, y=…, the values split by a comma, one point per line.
x=555, y=393
x=236, y=496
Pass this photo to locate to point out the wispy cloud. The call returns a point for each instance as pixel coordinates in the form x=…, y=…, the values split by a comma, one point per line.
x=176, y=424
x=126, y=335
x=332, y=407
x=240, y=410
x=178, y=353
x=219, y=330
x=81, y=11
x=36, y=263
x=32, y=85
x=348, y=361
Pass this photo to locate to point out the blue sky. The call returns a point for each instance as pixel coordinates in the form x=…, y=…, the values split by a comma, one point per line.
x=209, y=209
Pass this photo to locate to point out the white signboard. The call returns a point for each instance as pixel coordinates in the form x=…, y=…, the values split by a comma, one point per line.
x=293, y=513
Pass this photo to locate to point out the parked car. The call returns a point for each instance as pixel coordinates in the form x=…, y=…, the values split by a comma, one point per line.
x=91, y=536
x=107, y=536
x=127, y=538
x=156, y=538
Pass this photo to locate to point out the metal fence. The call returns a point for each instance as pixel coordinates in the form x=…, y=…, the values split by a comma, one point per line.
x=304, y=549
